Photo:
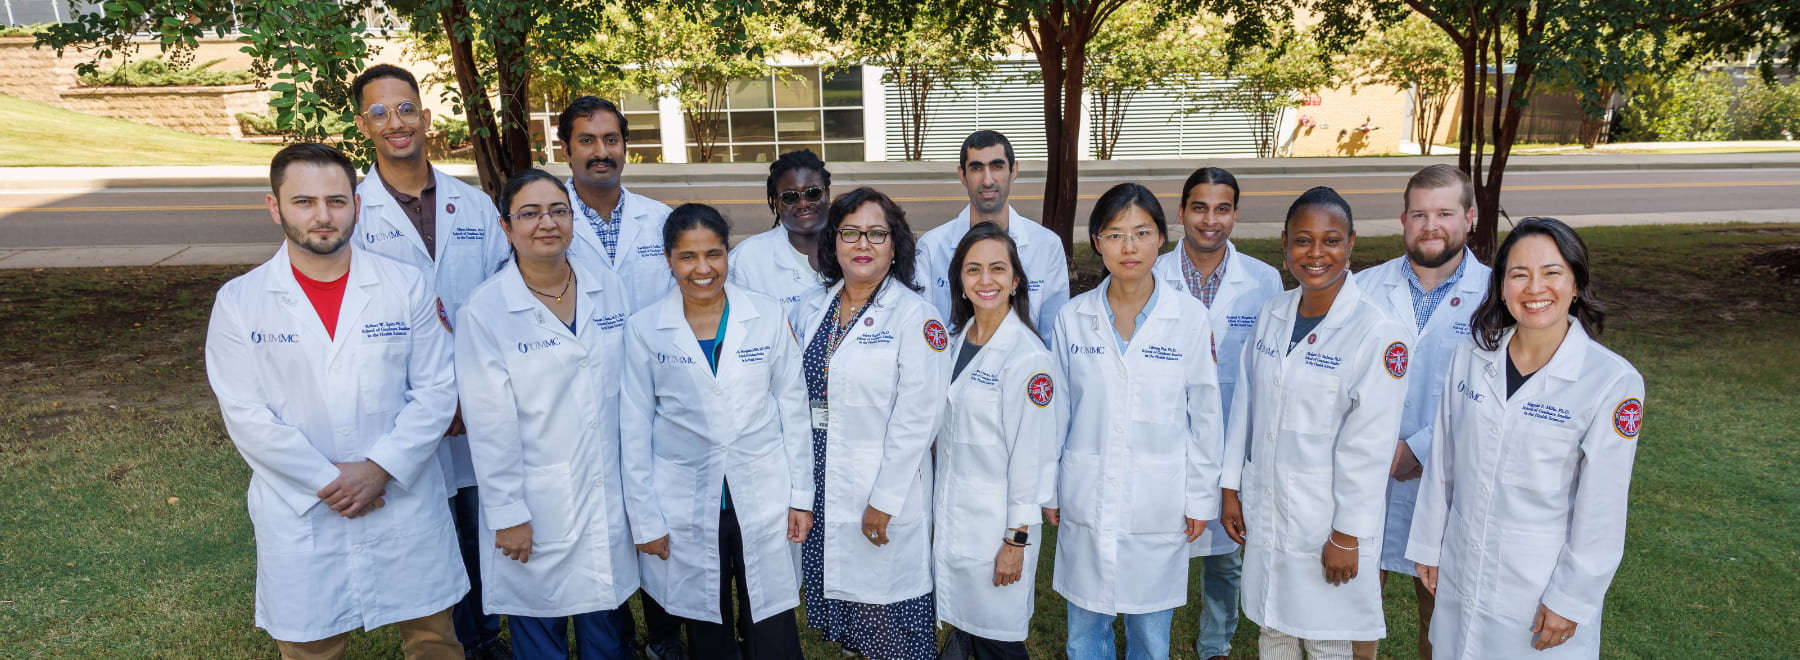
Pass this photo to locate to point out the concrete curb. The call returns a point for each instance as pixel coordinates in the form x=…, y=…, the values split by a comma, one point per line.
x=660, y=174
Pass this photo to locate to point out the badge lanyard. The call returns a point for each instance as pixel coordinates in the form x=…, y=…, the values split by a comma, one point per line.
x=834, y=337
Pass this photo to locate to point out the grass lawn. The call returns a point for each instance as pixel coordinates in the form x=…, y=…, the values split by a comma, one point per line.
x=125, y=533
x=38, y=135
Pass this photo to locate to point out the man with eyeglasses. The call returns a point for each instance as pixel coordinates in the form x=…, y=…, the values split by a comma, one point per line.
x=613, y=226
x=987, y=169
x=449, y=230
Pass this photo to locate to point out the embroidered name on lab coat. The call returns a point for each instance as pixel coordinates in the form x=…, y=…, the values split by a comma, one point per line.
x=380, y=329
x=1546, y=413
x=757, y=354
x=613, y=322
x=870, y=339
x=1323, y=361
x=983, y=377
x=1236, y=321
x=468, y=233
x=1167, y=353
x=650, y=251
x=1460, y=328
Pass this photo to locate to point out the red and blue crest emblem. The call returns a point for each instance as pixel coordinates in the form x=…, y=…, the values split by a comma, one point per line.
x=1628, y=417
x=1040, y=389
x=936, y=336
x=1395, y=359
x=444, y=316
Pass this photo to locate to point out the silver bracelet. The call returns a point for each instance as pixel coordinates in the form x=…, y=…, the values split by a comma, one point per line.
x=1334, y=544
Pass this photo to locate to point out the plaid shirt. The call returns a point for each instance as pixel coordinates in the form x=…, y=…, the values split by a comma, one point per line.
x=606, y=228
x=1425, y=302
x=1204, y=287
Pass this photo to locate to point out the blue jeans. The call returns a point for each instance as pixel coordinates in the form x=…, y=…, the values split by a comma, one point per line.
x=602, y=635
x=1091, y=635
x=1219, y=603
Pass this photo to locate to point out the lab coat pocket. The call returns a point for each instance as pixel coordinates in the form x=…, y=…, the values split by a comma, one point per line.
x=1312, y=404
x=677, y=491
x=1078, y=488
x=550, y=498
x=1159, y=392
x=760, y=501
x=1158, y=495
x=1543, y=458
x=382, y=386
x=976, y=521
x=1304, y=510
x=1524, y=565
x=866, y=376
x=277, y=530
x=975, y=417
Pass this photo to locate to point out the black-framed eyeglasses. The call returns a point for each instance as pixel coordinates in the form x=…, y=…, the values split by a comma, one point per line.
x=876, y=236
x=558, y=213
x=792, y=197
x=406, y=111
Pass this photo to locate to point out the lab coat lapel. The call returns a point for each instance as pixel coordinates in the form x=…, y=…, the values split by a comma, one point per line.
x=356, y=299
x=736, y=328
x=672, y=319
x=1564, y=365
x=1236, y=279
x=287, y=291
x=377, y=199
x=520, y=300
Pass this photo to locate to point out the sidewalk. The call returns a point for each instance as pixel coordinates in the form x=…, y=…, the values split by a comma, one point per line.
x=644, y=174
x=184, y=255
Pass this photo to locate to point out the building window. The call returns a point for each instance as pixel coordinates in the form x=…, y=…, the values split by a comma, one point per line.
x=767, y=117
x=645, y=145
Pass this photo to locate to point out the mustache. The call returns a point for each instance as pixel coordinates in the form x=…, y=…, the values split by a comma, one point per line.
x=607, y=161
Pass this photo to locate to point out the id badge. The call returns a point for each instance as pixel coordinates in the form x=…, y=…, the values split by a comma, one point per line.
x=821, y=415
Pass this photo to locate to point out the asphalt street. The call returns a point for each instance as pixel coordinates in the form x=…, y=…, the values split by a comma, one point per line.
x=235, y=216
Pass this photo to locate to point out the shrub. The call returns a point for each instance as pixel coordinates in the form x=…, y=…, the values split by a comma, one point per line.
x=456, y=131
x=264, y=124
x=1707, y=106
x=157, y=72
x=23, y=30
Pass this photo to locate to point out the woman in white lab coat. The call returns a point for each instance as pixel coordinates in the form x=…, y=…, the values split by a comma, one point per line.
x=717, y=450
x=782, y=262
x=539, y=347
x=1313, y=426
x=1139, y=466
x=873, y=360
x=997, y=426
x=1521, y=517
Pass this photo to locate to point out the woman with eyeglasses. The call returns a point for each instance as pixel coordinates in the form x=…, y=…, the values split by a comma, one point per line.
x=717, y=451
x=539, y=349
x=1139, y=464
x=874, y=364
x=1521, y=518
x=783, y=262
x=1314, y=421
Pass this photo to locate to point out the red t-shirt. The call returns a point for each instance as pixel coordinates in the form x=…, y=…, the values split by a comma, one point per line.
x=326, y=298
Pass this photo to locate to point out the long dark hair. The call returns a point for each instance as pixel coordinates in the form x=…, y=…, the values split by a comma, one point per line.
x=900, y=236
x=1492, y=319
x=962, y=309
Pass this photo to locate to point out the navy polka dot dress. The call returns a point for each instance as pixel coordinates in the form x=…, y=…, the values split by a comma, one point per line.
x=896, y=631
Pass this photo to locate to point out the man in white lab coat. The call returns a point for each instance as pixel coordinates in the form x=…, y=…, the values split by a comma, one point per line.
x=449, y=230
x=615, y=227
x=987, y=169
x=333, y=375
x=1437, y=285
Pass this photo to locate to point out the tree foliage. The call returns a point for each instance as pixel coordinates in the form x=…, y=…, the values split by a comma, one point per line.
x=157, y=72
x=1415, y=56
x=1693, y=104
x=1264, y=79
x=939, y=49
x=1140, y=48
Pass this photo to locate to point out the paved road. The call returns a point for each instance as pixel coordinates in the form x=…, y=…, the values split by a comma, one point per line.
x=235, y=216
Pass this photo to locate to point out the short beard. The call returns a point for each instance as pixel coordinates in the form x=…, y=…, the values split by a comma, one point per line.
x=324, y=247
x=1452, y=246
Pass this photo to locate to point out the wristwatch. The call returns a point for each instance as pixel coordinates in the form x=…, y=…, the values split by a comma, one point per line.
x=1020, y=537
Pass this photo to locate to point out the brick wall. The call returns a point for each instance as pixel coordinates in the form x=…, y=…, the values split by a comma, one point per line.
x=199, y=110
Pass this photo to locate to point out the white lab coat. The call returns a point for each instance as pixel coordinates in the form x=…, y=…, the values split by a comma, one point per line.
x=542, y=407
x=688, y=432
x=765, y=263
x=1141, y=453
x=1447, y=328
x=1524, y=500
x=296, y=401
x=1248, y=283
x=883, y=412
x=639, y=259
x=1312, y=436
x=470, y=247
x=990, y=449
x=1046, y=265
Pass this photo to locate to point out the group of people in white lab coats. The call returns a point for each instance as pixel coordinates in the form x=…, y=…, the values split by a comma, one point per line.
x=455, y=410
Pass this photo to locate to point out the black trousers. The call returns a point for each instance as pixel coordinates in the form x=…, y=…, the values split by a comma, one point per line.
x=774, y=638
x=987, y=649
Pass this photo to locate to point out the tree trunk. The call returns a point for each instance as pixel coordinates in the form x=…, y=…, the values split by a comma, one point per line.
x=1065, y=147
x=1059, y=208
x=515, y=105
x=483, y=134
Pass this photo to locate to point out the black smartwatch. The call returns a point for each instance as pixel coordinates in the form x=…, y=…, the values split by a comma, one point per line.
x=1019, y=537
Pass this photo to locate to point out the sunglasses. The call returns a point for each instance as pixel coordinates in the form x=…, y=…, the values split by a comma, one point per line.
x=792, y=197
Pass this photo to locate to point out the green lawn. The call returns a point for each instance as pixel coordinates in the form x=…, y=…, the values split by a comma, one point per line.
x=125, y=534
x=33, y=134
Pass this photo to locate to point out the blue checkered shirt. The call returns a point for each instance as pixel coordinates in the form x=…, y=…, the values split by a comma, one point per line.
x=1425, y=302
x=1204, y=287
x=606, y=228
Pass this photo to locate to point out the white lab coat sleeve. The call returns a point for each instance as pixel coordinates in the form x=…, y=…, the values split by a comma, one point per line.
x=918, y=401
x=408, y=449
x=1050, y=471
x=496, y=446
x=275, y=450
x=1420, y=443
x=1030, y=426
x=1205, y=422
x=1431, y=512
x=1596, y=539
x=792, y=406
x=637, y=421
x=1365, y=442
x=1055, y=295
x=1237, y=432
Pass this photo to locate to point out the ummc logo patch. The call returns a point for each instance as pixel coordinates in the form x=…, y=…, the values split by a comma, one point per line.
x=936, y=336
x=1041, y=389
x=1395, y=359
x=1628, y=417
